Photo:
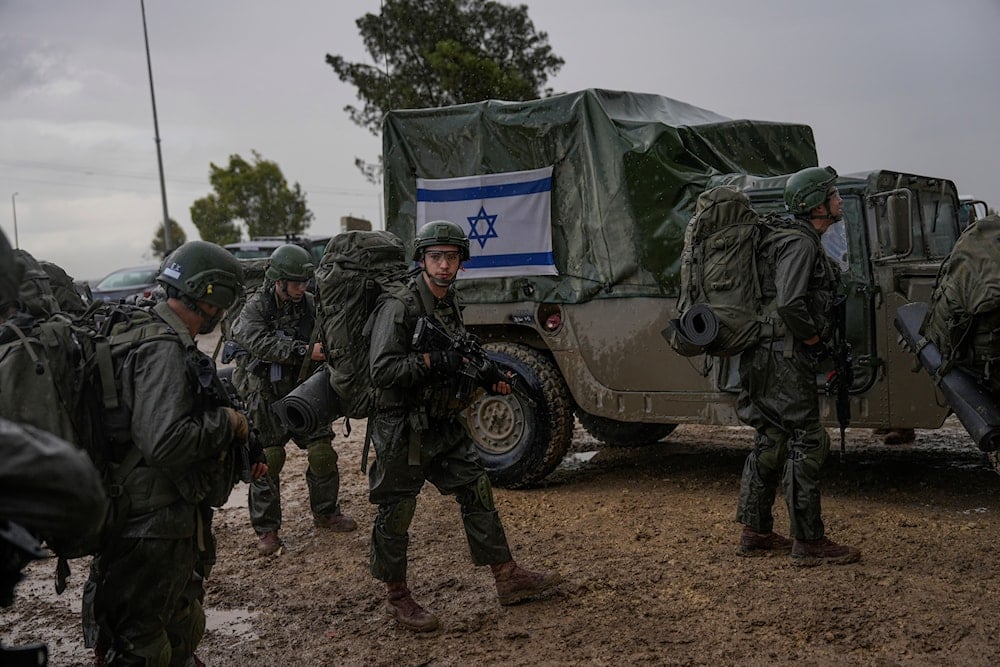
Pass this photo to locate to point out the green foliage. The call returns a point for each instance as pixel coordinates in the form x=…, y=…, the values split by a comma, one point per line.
x=177, y=237
x=252, y=195
x=443, y=52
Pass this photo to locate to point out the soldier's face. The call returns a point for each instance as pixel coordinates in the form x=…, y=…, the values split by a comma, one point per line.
x=441, y=263
x=292, y=289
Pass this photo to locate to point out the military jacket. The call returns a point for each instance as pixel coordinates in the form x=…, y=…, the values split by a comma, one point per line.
x=398, y=371
x=179, y=427
x=276, y=332
x=799, y=280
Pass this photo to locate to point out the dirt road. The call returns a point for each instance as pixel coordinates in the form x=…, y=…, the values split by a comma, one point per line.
x=645, y=540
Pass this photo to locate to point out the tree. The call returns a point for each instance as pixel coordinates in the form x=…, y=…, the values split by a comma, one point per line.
x=177, y=237
x=431, y=53
x=254, y=195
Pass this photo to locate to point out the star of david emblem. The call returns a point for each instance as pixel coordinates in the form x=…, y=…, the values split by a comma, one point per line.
x=490, y=233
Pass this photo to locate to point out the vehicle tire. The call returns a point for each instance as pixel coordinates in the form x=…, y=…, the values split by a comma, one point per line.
x=994, y=459
x=520, y=443
x=624, y=434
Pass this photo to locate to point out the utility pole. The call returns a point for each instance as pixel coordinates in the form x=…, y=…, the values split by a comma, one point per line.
x=167, y=241
x=13, y=208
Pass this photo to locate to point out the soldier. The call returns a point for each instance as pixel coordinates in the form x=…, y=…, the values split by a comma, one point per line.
x=418, y=436
x=47, y=486
x=778, y=380
x=276, y=327
x=174, y=429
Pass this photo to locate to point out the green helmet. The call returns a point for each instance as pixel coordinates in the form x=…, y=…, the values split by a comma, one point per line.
x=203, y=271
x=290, y=262
x=440, y=232
x=808, y=188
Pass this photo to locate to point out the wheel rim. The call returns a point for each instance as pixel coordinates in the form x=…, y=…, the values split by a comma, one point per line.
x=496, y=423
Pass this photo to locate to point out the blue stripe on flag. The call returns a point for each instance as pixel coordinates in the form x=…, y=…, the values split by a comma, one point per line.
x=515, y=259
x=486, y=191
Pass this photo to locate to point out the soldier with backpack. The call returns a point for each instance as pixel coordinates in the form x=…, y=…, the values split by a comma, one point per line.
x=778, y=378
x=175, y=436
x=276, y=328
x=418, y=436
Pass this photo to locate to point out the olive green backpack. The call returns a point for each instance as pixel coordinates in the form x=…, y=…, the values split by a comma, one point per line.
x=963, y=319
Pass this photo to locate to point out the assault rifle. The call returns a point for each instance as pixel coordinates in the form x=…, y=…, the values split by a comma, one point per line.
x=252, y=451
x=478, y=370
x=840, y=379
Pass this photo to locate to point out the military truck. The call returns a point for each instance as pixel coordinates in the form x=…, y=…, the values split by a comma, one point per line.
x=626, y=170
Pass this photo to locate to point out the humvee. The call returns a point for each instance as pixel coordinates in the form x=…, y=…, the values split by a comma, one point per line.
x=627, y=169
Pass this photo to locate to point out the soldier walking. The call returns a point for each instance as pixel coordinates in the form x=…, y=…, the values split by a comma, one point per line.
x=418, y=436
x=275, y=327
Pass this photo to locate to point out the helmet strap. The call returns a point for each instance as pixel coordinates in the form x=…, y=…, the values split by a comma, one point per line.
x=209, y=322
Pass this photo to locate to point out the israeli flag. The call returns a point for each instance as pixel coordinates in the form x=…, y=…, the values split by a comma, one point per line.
x=508, y=218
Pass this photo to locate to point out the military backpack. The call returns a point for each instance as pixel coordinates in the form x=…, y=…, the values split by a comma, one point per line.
x=356, y=269
x=963, y=319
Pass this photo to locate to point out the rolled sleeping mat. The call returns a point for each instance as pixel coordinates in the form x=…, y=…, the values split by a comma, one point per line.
x=310, y=405
x=978, y=411
x=698, y=325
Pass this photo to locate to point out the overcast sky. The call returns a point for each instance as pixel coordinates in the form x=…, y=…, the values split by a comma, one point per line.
x=910, y=85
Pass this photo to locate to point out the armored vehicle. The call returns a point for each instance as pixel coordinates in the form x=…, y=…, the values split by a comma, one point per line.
x=579, y=313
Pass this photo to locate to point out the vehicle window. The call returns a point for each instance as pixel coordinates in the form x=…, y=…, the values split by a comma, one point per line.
x=121, y=279
x=255, y=253
x=939, y=215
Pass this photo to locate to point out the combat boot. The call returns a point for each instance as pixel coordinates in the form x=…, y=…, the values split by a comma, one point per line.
x=268, y=543
x=401, y=606
x=753, y=543
x=807, y=553
x=514, y=583
x=338, y=523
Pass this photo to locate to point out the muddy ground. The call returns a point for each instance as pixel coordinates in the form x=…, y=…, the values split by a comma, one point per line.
x=645, y=539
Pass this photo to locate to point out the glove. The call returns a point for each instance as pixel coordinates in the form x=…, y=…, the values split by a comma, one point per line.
x=816, y=352
x=241, y=427
x=446, y=361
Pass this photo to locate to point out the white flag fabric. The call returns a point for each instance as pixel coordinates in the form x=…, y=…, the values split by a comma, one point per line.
x=508, y=218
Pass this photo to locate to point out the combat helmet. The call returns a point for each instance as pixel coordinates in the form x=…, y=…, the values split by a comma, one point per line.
x=808, y=188
x=203, y=271
x=290, y=262
x=440, y=232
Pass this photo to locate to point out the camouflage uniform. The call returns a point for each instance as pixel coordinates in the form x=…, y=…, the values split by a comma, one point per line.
x=276, y=334
x=146, y=585
x=418, y=437
x=778, y=385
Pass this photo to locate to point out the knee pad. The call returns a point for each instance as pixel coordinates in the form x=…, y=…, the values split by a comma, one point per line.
x=478, y=496
x=396, y=518
x=322, y=458
x=275, y=457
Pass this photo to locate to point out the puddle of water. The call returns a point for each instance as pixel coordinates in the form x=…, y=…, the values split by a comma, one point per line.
x=235, y=622
x=576, y=460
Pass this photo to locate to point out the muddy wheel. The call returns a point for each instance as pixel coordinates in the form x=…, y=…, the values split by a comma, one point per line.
x=520, y=442
x=624, y=434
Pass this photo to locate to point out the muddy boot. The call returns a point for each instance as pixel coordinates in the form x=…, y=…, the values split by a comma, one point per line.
x=807, y=553
x=514, y=583
x=338, y=523
x=268, y=543
x=897, y=436
x=753, y=543
x=401, y=606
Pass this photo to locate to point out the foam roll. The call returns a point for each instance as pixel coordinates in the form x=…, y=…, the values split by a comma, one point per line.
x=310, y=406
x=699, y=325
x=972, y=404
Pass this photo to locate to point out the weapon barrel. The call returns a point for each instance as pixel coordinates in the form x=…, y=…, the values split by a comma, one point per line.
x=978, y=411
x=310, y=405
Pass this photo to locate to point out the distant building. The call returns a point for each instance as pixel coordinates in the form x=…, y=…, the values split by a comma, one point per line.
x=347, y=224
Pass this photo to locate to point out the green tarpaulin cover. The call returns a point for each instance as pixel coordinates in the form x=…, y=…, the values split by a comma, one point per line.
x=628, y=168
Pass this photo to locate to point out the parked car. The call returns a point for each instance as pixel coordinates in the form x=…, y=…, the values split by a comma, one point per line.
x=121, y=284
x=262, y=246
